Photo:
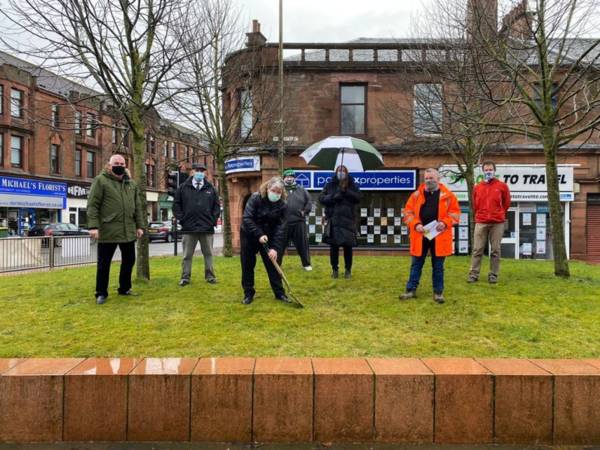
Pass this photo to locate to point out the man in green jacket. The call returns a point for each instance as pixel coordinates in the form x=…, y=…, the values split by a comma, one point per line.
x=115, y=217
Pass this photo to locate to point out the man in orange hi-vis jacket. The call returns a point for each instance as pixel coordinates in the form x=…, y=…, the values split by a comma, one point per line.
x=430, y=213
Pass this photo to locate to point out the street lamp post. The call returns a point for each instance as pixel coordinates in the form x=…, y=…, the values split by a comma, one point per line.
x=281, y=151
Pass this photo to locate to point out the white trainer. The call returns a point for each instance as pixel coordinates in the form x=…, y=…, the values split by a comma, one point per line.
x=308, y=268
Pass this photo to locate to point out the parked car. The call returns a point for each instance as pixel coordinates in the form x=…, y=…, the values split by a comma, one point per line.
x=56, y=230
x=163, y=231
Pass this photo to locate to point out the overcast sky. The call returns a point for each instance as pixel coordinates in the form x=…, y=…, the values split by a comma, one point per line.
x=332, y=20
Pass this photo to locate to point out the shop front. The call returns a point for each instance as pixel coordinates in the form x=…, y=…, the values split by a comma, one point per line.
x=527, y=231
x=379, y=218
x=76, y=212
x=25, y=202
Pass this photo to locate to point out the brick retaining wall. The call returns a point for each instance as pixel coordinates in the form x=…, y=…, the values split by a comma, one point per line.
x=432, y=400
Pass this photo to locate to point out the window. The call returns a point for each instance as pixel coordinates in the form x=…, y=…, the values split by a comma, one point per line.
x=54, y=159
x=54, y=118
x=114, y=135
x=173, y=150
x=16, y=103
x=149, y=172
x=90, y=129
x=187, y=153
x=427, y=114
x=246, y=119
x=78, y=162
x=91, y=165
x=16, y=151
x=151, y=144
x=166, y=149
x=1, y=99
x=1, y=149
x=538, y=95
x=353, y=102
x=78, y=124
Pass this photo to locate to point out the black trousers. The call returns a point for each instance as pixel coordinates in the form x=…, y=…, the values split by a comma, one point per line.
x=106, y=251
x=249, y=247
x=334, y=256
x=296, y=232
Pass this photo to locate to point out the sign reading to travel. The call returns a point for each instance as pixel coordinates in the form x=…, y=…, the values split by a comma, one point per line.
x=30, y=193
x=376, y=180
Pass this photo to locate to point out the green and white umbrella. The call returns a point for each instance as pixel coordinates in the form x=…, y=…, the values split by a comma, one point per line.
x=357, y=155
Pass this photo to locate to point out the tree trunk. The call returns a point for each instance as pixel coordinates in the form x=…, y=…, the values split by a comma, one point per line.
x=227, y=238
x=139, y=148
x=561, y=263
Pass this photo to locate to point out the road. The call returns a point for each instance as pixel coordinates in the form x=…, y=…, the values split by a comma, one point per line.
x=165, y=249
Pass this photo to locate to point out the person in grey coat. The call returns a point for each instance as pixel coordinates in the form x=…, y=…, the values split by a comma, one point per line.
x=299, y=205
x=197, y=208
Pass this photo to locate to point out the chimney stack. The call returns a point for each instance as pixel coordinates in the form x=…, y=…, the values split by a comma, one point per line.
x=255, y=38
x=482, y=19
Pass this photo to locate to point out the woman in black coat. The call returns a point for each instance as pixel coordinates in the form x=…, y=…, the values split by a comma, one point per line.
x=264, y=223
x=340, y=197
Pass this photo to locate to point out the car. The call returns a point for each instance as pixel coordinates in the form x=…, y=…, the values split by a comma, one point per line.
x=56, y=230
x=163, y=231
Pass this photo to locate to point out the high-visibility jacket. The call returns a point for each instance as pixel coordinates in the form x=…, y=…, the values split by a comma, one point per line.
x=448, y=212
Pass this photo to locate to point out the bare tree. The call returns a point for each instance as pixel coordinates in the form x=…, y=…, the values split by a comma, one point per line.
x=449, y=112
x=125, y=46
x=545, y=78
x=227, y=94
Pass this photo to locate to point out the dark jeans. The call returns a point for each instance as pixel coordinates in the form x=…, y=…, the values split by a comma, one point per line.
x=334, y=256
x=296, y=233
x=437, y=268
x=106, y=251
x=249, y=247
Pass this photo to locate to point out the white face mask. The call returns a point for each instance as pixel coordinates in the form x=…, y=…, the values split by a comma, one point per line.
x=489, y=175
x=273, y=196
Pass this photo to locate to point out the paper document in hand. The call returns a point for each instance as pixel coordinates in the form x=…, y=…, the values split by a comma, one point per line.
x=430, y=231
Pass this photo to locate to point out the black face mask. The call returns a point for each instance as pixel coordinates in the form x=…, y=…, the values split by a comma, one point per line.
x=118, y=170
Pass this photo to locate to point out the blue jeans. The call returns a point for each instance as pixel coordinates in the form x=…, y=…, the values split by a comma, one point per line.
x=437, y=267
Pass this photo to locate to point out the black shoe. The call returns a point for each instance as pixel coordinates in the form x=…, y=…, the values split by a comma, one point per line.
x=283, y=298
x=347, y=274
x=211, y=280
x=100, y=300
x=184, y=282
x=129, y=293
x=335, y=274
x=248, y=299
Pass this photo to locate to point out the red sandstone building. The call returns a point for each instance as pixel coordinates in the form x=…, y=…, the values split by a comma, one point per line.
x=59, y=134
x=338, y=89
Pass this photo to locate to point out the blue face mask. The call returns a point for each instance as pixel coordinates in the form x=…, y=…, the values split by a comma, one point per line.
x=273, y=196
x=489, y=176
x=199, y=176
x=340, y=175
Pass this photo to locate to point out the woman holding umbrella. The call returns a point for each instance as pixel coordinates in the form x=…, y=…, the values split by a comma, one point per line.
x=340, y=197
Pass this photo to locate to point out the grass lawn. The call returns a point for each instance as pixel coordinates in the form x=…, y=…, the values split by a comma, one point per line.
x=530, y=313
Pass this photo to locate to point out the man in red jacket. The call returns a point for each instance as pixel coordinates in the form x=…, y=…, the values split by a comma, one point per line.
x=491, y=200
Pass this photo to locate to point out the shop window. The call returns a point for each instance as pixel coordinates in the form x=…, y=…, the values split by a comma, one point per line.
x=54, y=122
x=78, y=162
x=54, y=159
x=353, y=109
x=378, y=220
x=91, y=165
x=246, y=113
x=427, y=113
x=16, y=103
x=78, y=123
x=16, y=151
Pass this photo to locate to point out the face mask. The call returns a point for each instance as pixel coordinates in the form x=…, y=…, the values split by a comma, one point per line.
x=289, y=181
x=340, y=175
x=273, y=196
x=489, y=176
x=118, y=170
x=199, y=176
x=431, y=185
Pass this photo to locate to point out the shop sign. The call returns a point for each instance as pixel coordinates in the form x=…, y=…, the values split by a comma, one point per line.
x=243, y=164
x=77, y=191
x=526, y=183
x=379, y=180
x=30, y=193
